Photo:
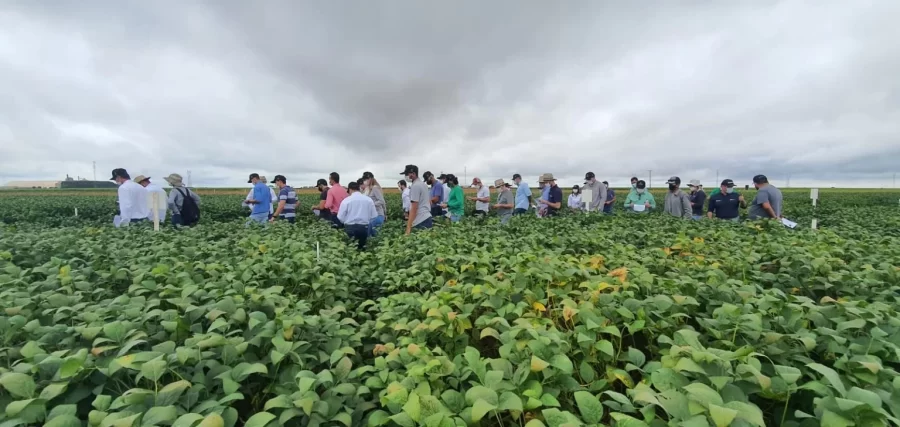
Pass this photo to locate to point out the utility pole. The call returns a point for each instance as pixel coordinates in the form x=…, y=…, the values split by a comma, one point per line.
x=717, y=177
x=95, y=170
x=895, y=180
x=465, y=179
x=189, y=179
x=650, y=179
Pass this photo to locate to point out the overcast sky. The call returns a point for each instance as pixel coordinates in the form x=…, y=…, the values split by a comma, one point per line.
x=228, y=87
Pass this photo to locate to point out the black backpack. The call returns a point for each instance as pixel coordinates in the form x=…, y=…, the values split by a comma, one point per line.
x=190, y=213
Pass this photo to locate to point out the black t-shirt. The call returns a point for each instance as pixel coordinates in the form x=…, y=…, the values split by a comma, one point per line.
x=324, y=213
x=697, y=201
x=725, y=206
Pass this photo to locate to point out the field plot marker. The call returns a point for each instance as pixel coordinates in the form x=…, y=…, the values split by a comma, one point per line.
x=814, y=195
x=155, y=198
x=317, y=251
x=76, y=212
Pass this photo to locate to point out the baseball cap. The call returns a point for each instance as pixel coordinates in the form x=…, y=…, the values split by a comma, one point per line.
x=589, y=175
x=641, y=184
x=279, y=178
x=410, y=169
x=727, y=183
x=476, y=180
x=119, y=173
x=517, y=176
x=321, y=182
x=427, y=175
x=252, y=175
x=674, y=180
x=760, y=179
x=443, y=176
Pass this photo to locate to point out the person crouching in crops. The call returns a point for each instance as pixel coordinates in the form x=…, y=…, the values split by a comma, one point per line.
x=356, y=212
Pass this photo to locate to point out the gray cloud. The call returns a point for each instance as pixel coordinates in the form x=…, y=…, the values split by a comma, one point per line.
x=302, y=88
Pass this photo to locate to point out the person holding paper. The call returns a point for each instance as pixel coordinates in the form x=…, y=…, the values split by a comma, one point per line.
x=768, y=201
x=575, y=199
x=726, y=204
x=641, y=201
x=553, y=201
x=597, y=190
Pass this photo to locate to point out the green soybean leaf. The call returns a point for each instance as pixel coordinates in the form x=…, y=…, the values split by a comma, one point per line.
x=18, y=384
x=590, y=407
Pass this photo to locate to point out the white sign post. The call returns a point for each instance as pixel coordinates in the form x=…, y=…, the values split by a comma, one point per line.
x=76, y=212
x=587, y=198
x=155, y=208
x=814, y=195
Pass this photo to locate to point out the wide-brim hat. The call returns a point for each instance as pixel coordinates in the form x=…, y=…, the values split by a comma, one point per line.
x=141, y=178
x=547, y=177
x=500, y=183
x=174, y=179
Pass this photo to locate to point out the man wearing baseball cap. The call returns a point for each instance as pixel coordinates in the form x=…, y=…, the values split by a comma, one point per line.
x=133, y=205
x=260, y=200
x=677, y=203
x=419, y=200
x=504, y=205
x=482, y=198
x=523, y=195
x=727, y=203
x=597, y=190
x=768, y=201
x=319, y=209
x=698, y=199
x=287, y=201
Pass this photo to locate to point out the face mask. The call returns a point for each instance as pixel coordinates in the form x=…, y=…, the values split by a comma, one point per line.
x=640, y=190
x=633, y=185
x=729, y=190
x=672, y=187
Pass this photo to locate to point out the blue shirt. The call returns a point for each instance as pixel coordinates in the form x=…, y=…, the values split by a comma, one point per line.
x=610, y=194
x=437, y=190
x=263, y=195
x=522, y=195
x=290, y=201
x=545, y=193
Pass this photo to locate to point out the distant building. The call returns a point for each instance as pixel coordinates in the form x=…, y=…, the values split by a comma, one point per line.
x=32, y=184
x=87, y=184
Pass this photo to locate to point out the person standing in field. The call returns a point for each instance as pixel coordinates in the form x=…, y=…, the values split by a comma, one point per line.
x=482, y=198
x=553, y=201
x=677, y=203
x=183, y=203
x=545, y=195
x=610, y=199
x=260, y=200
x=336, y=195
x=274, y=197
x=504, y=205
x=437, y=195
x=726, y=204
x=404, y=197
x=574, y=202
x=698, y=199
x=319, y=209
x=768, y=201
x=633, y=189
x=446, y=193
x=456, y=203
x=523, y=195
x=374, y=191
x=132, y=198
x=287, y=201
x=598, y=192
x=356, y=213
x=419, y=201
x=640, y=197
x=151, y=189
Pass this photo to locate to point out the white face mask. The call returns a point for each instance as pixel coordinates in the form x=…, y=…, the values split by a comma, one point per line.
x=729, y=190
x=633, y=185
x=640, y=190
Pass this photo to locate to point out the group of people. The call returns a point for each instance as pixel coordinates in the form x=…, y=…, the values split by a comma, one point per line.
x=137, y=202
x=360, y=208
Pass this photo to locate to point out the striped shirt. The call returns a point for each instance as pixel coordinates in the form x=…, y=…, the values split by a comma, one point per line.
x=289, y=197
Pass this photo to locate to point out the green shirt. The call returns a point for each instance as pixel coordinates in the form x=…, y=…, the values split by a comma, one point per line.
x=456, y=202
x=640, y=198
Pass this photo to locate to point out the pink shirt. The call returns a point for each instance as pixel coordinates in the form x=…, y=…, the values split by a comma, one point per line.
x=336, y=195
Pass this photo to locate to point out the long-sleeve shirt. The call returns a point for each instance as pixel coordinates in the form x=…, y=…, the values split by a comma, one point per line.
x=636, y=198
x=406, y=201
x=678, y=204
x=176, y=199
x=357, y=209
x=456, y=201
x=598, y=195
x=162, y=203
x=575, y=201
x=377, y=197
x=132, y=202
x=336, y=195
x=698, y=198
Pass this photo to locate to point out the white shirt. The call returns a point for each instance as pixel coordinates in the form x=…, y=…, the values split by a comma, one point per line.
x=483, y=193
x=250, y=196
x=575, y=201
x=132, y=202
x=162, y=203
x=357, y=209
x=406, y=202
x=446, y=193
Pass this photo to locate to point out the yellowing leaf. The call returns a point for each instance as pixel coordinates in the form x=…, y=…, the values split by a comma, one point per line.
x=538, y=365
x=539, y=307
x=263, y=248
